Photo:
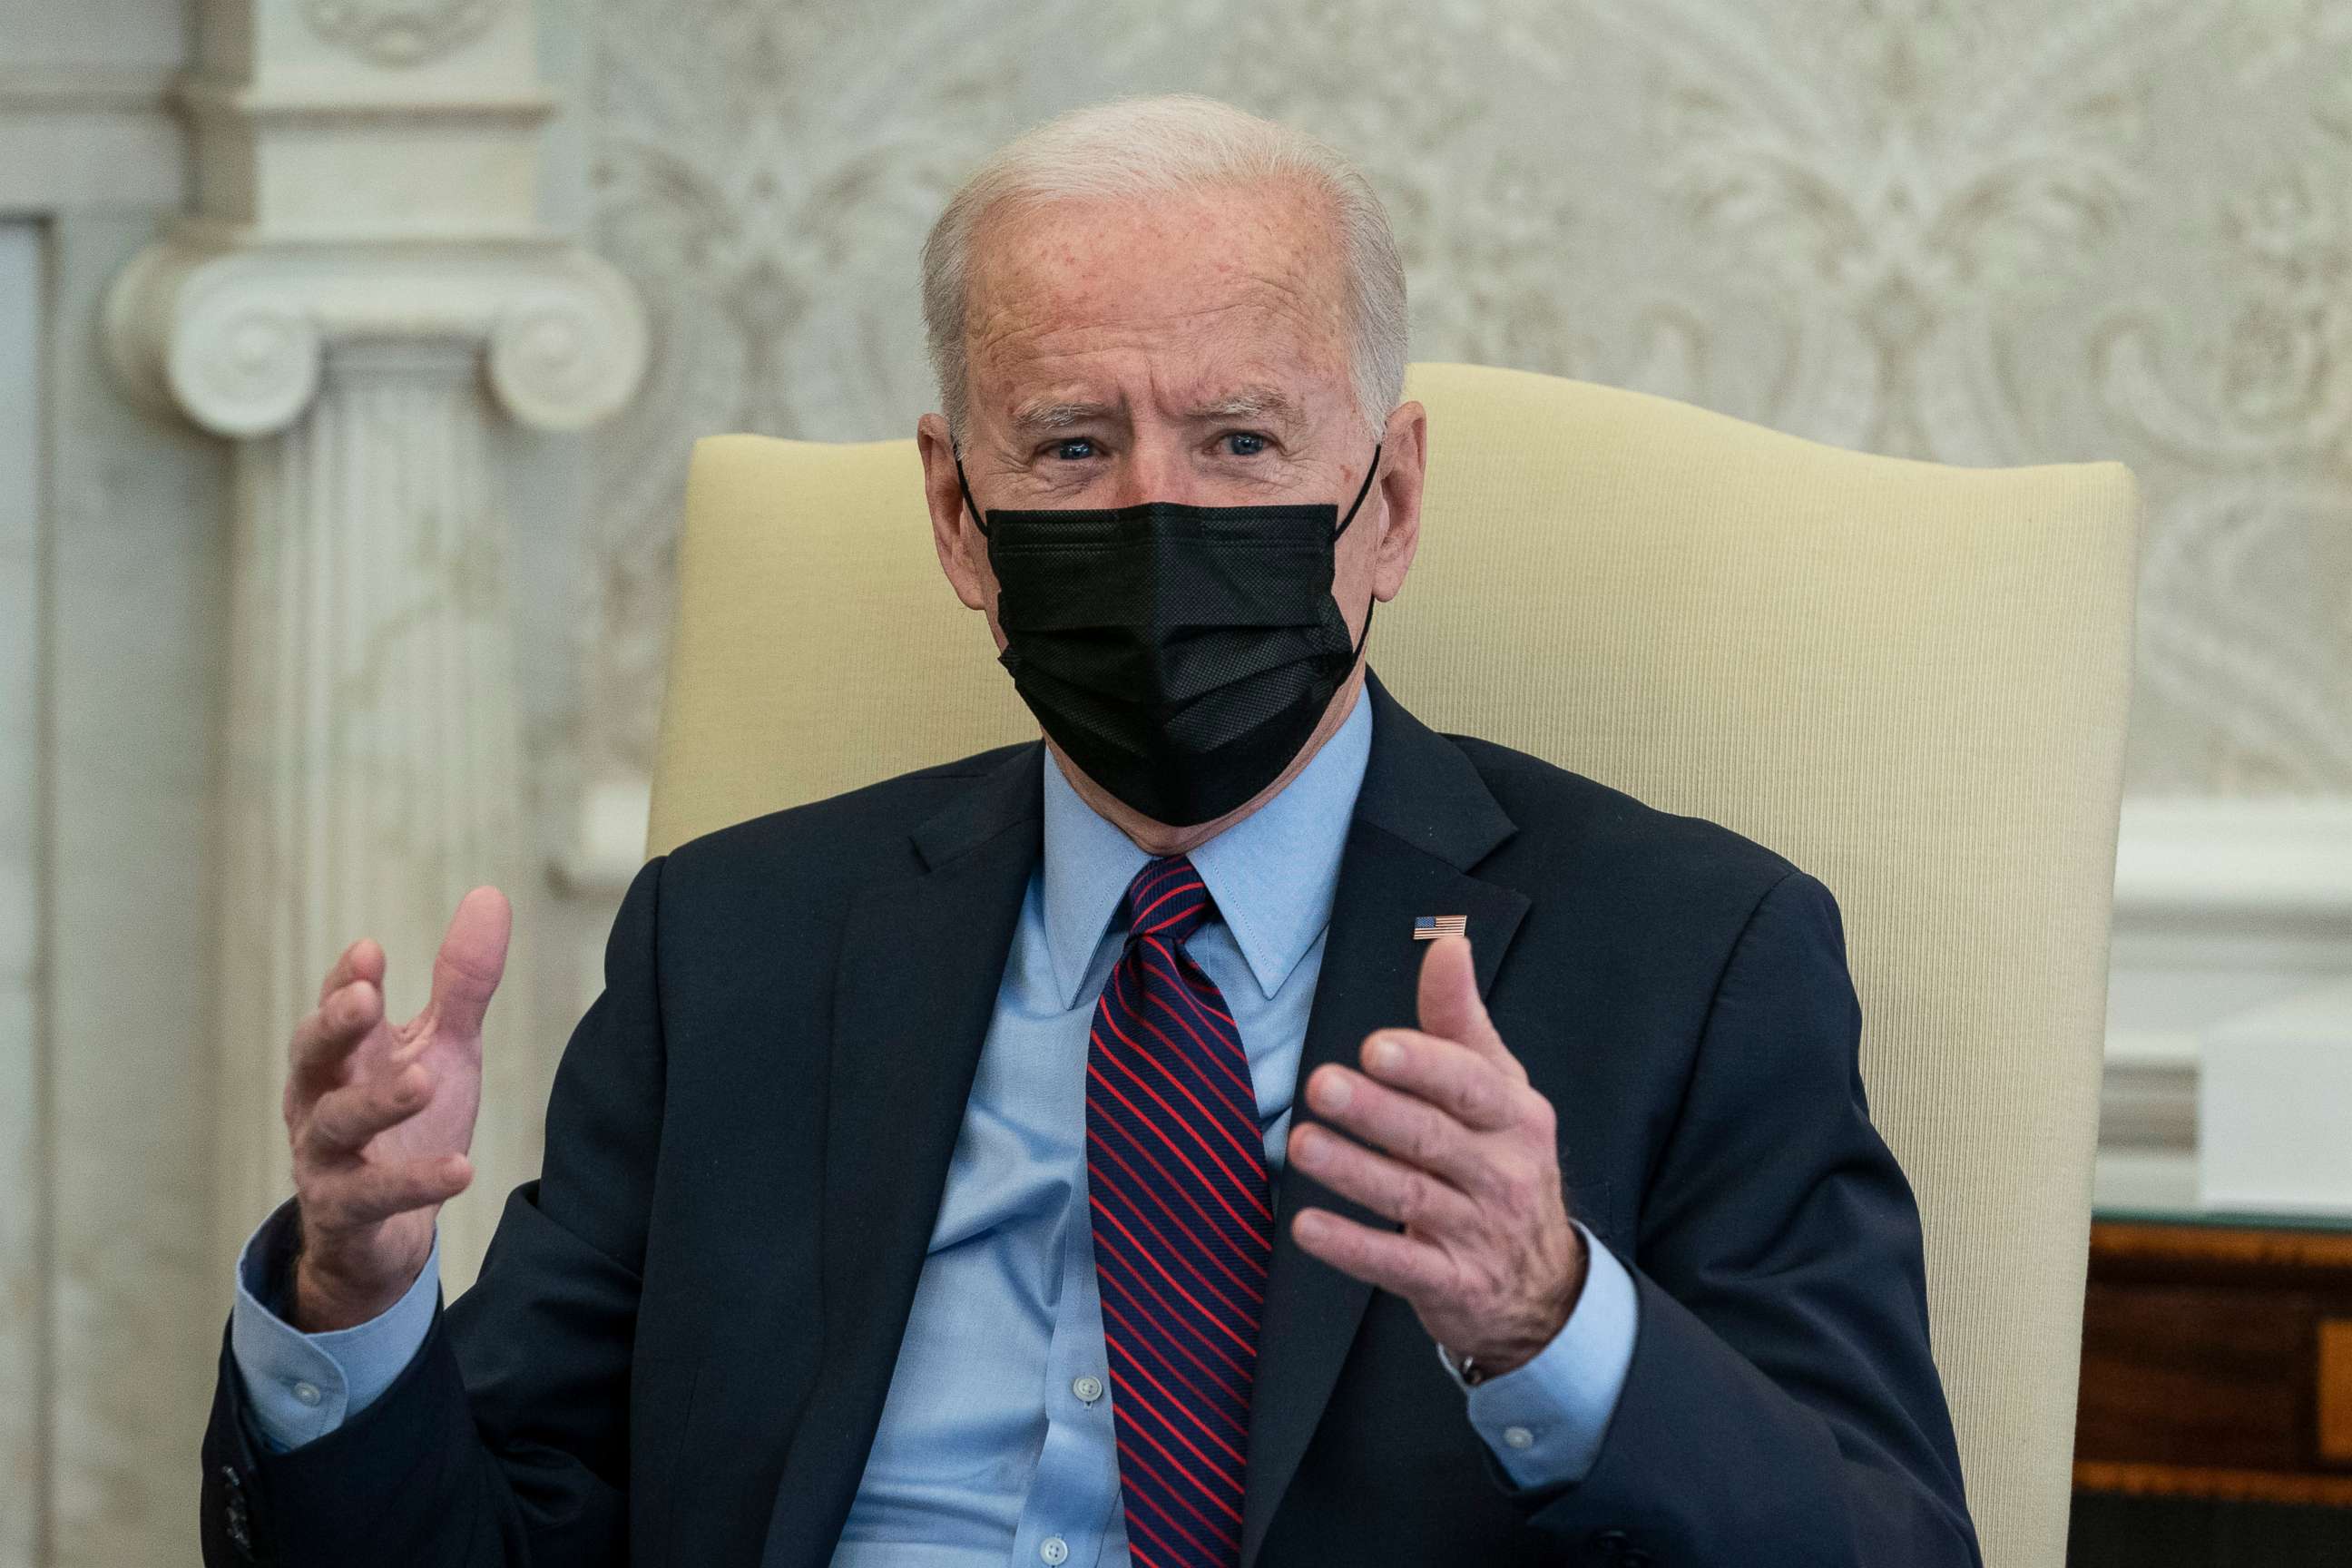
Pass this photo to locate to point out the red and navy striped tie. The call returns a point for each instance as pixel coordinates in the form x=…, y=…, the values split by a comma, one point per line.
x=1183, y=1227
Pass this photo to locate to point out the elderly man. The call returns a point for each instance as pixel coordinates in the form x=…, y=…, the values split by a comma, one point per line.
x=1058, y=1156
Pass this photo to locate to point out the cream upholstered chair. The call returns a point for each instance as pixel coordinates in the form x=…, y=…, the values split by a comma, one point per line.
x=1910, y=679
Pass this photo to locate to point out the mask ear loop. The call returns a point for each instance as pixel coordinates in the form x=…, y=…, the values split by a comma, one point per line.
x=973, y=506
x=1373, y=603
x=1365, y=489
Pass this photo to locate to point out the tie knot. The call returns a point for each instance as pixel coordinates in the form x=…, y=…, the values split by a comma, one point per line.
x=1167, y=899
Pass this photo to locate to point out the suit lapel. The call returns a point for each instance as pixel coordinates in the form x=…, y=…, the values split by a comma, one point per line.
x=1423, y=818
x=920, y=964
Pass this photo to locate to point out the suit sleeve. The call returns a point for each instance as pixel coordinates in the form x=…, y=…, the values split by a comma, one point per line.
x=503, y=1442
x=1782, y=1407
x=298, y=1387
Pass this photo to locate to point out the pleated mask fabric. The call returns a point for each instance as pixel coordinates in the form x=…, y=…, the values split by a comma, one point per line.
x=1181, y=655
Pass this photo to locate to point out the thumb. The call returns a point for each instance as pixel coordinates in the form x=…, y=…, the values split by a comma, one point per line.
x=1450, y=1005
x=473, y=957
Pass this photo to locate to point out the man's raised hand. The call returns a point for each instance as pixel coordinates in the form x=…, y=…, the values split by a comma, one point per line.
x=381, y=1117
x=1457, y=1147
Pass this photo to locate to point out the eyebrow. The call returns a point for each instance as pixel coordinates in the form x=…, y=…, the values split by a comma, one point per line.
x=1248, y=403
x=1270, y=402
x=1038, y=417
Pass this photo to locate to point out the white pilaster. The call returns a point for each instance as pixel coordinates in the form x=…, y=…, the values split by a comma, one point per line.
x=363, y=292
x=25, y=1245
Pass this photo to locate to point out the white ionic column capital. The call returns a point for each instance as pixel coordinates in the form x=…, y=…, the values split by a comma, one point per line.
x=364, y=294
x=232, y=334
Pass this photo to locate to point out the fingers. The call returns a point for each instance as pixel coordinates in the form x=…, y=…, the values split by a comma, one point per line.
x=1450, y=1005
x=1413, y=1199
x=1385, y=1259
x=324, y=1039
x=473, y=957
x=343, y=1120
x=363, y=960
x=1473, y=1089
x=368, y=1195
x=1407, y=1127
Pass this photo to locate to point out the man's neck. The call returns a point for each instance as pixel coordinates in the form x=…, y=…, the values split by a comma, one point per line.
x=1157, y=838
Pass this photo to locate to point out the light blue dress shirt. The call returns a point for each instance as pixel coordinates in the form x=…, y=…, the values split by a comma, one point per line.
x=996, y=1444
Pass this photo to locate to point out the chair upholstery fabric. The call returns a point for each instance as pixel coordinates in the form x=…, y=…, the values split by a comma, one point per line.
x=1911, y=679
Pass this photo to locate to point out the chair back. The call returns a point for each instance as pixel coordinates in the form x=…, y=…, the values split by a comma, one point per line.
x=1911, y=679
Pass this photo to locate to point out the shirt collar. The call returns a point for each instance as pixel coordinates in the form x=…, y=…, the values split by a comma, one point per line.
x=1273, y=873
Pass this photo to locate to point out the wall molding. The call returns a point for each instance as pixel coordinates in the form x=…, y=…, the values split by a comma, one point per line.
x=400, y=32
x=207, y=97
x=2226, y=908
x=2252, y=864
x=74, y=137
x=71, y=89
x=26, y=1052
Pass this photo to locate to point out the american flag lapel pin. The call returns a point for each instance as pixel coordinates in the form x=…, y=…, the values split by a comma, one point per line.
x=1429, y=928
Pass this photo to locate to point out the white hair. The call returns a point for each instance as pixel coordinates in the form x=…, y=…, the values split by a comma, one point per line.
x=1171, y=145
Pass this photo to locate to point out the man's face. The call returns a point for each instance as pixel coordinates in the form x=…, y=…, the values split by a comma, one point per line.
x=1194, y=350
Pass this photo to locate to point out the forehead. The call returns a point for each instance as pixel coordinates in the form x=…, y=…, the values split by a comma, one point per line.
x=1203, y=295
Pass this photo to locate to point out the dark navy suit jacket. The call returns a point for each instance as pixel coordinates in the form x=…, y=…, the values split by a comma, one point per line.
x=748, y=1138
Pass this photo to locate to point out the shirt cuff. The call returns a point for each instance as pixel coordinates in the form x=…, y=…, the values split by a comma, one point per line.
x=1545, y=1421
x=298, y=1387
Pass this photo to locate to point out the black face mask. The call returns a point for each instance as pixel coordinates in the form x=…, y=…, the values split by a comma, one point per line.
x=1180, y=655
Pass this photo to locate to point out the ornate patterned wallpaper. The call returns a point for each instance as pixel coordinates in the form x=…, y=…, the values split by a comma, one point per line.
x=1981, y=231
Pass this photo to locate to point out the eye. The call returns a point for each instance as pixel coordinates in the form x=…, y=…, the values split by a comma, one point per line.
x=1243, y=443
x=1077, y=449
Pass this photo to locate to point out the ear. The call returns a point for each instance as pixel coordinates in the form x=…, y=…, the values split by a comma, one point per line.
x=962, y=548
x=1405, y=456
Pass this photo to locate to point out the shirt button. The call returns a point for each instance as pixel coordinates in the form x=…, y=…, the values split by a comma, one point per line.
x=308, y=1393
x=1088, y=1389
x=1517, y=1437
x=1053, y=1548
